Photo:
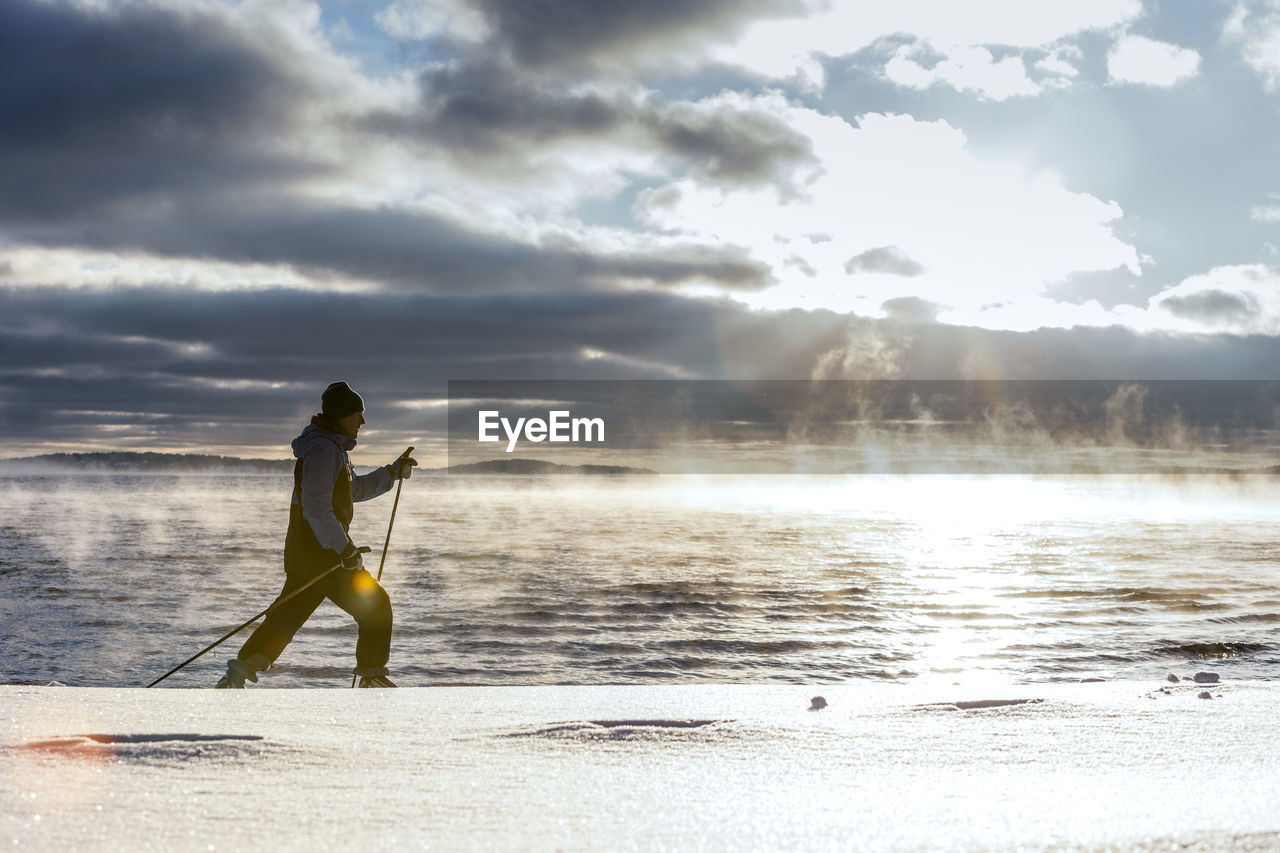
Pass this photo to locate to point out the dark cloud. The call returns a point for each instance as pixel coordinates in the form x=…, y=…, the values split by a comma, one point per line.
x=165, y=367
x=569, y=33
x=779, y=344
x=85, y=352
x=168, y=367
x=401, y=248
x=493, y=116
x=483, y=108
x=120, y=105
x=885, y=259
x=154, y=129
x=733, y=146
x=1213, y=306
x=498, y=103
x=263, y=333
x=1087, y=353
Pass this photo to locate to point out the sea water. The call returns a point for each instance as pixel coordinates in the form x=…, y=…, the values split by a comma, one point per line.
x=111, y=579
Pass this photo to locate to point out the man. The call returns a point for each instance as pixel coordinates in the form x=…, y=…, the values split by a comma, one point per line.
x=325, y=486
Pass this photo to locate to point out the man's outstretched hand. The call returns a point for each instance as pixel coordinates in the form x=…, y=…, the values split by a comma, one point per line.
x=353, y=557
x=402, y=468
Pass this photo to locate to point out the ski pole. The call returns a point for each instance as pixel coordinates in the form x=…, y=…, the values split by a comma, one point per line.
x=387, y=542
x=237, y=630
x=394, y=504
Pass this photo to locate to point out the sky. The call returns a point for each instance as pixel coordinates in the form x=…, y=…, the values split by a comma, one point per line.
x=211, y=210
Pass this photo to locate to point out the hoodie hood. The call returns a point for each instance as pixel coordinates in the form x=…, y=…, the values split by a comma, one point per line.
x=314, y=432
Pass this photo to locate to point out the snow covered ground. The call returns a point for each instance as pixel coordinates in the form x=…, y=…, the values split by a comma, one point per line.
x=1116, y=765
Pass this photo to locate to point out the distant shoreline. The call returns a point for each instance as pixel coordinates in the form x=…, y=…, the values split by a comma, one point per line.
x=145, y=462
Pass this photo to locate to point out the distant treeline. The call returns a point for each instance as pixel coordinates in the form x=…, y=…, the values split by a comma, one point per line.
x=536, y=467
x=145, y=462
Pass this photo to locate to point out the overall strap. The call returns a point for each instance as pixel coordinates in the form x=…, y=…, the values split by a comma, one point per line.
x=297, y=468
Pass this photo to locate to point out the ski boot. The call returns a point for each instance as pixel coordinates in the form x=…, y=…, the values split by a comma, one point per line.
x=237, y=672
x=374, y=676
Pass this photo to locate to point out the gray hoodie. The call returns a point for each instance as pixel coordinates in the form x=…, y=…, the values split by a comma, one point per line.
x=325, y=454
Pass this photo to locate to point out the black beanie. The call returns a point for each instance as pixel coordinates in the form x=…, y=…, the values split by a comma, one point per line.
x=338, y=401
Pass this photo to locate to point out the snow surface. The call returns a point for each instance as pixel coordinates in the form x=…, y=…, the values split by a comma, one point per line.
x=1116, y=765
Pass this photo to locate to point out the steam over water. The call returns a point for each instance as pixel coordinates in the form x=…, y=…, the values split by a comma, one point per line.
x=112, y=579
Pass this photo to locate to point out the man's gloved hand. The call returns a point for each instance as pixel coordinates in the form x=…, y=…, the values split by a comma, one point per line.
x=352, y=556
x=403, y=467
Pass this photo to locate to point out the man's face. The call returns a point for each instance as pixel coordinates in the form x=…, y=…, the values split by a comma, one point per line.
x=350, y=425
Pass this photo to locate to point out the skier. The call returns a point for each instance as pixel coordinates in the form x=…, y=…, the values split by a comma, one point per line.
x=325, y=486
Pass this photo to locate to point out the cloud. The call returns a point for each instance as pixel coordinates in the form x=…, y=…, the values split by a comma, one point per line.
x=238, y=135
x=282, y=333
x=732, y=141
x=800, y=264
x=909, y=309
x=958, y=31
x=1255, y=28
x=199, y=368
x=574, y=32
x=118, y=105
x=239, y=371
x=488, y=115
x=889, y=260
x=276, y=153
x=978, y=231
x=410, y=250
x=1215, y=307
x=134, y=105
x=1239, y=299
x=455, y=20
x=579, y=35
x=528, y=85
x=488, y=108
x=966, y=68
x=1059, y=61
x=1111, y=352
x=775, y=39
x=1135, y=59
